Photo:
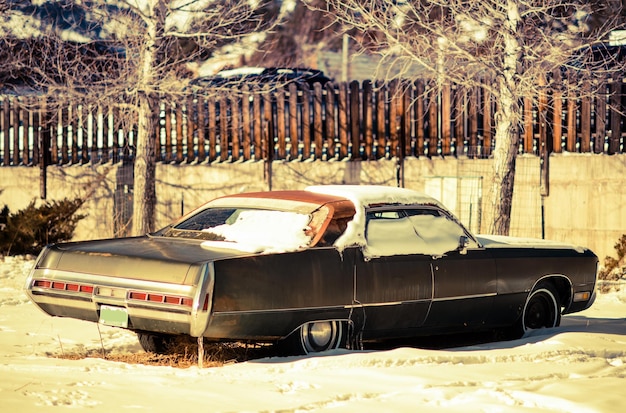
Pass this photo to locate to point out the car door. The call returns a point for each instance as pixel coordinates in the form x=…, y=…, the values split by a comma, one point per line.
x=393, y=281
x=464, y=273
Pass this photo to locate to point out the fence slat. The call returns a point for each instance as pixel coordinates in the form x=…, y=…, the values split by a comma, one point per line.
x=318, y=125
x=201, y=127
x=616, y=115
x=192, y=127
x=294, y=140
x=258, y=125
x=235, y=131
x=26, y=125
x=420, y=96
x=459, y=120
x=343, y=120
x=223, y=129
x=598, y=143
x=585, y=118
x=355, y=120
x=306, y=122
x=368, y=121
x=446, y=122
x=487, y=124
x=557, y=112
x=246, y=132
x=212, y=128
x=280, y=124
x=381, y=146
x=473, y=122
x=178, y=110
x=433, y=119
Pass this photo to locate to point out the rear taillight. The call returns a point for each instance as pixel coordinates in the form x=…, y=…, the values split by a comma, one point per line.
x=63, y=286
x=160, y=298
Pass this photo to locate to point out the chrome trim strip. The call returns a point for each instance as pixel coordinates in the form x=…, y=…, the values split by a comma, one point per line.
x=464, y=297
x=346, y=306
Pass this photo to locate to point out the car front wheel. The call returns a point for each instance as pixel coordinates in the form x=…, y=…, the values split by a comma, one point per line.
x=542, y=308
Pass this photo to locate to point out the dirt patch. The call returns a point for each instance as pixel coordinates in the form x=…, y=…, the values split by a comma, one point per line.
x=183, y=355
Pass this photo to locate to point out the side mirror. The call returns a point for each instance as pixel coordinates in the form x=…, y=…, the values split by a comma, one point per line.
x=463, y=244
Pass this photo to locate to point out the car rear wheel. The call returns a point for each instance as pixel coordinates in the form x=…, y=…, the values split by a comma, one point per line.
x=315, y=337
x=156, y=343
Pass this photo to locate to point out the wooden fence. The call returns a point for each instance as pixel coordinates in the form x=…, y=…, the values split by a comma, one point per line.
x=346, y=121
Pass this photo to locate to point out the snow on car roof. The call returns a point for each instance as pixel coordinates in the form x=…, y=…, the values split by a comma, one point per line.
x=366, y=195
x=363, y=196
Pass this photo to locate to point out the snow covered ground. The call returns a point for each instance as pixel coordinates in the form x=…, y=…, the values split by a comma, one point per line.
x=578, y=367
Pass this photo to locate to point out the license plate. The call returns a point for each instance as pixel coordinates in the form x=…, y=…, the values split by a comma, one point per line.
x=113, y=316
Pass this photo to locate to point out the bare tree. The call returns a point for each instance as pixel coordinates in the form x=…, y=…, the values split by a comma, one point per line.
x=128, y=52
x=505, y=46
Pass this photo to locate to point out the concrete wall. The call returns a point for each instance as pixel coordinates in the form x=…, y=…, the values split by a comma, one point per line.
x=586, y=203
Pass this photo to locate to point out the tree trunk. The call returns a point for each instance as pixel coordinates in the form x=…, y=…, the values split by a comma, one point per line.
x=507, y=129
x=144, y=194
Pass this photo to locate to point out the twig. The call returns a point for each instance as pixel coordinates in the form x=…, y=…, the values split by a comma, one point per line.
x=104, y=355
x=61, y=345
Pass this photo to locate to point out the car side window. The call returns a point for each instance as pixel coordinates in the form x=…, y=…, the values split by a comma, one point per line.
x=439, y=231
x=391, y=233
x=425, y=231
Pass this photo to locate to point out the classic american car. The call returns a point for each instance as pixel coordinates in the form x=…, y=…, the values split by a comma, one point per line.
x=318, y=269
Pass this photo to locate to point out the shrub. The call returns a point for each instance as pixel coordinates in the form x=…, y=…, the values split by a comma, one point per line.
x=29, y=230
x=614, y=268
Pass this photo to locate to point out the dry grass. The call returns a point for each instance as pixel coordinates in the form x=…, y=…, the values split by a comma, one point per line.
x=182, y=355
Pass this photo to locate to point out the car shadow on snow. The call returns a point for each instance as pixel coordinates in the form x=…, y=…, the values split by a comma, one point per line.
x=477, y=341
x=489, y=340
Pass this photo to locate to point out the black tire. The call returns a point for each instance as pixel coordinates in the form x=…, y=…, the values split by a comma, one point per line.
x=156, y=343
x=542, y=308
x=315, y=337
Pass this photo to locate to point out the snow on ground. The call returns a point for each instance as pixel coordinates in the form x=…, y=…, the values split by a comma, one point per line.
x=578, y=367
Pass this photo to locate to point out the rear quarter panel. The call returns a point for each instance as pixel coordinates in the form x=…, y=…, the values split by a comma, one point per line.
x=268, y=296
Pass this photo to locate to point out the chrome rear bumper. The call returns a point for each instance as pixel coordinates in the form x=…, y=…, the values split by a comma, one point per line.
x=151, y=306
